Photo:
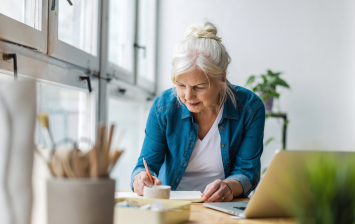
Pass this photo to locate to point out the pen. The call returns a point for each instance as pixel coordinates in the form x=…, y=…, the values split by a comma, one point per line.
x=147, y=170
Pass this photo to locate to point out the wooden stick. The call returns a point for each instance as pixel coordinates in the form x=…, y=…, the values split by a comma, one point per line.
x=104, y=154
x=94, y=154
x=105, y=158
x=66, y=164
x=114, y=158
x=112, y=129
x=57, y=166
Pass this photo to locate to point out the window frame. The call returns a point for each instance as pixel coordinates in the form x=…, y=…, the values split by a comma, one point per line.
x=20, y=33
x=66, y=52
x=142, y=81
x=42, y=68
x=116, y=72
x=125, y=91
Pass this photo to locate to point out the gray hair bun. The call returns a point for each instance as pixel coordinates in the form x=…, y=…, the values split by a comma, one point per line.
x=204, y=29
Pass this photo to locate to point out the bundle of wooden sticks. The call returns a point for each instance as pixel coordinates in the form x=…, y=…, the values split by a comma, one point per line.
x=73, y=163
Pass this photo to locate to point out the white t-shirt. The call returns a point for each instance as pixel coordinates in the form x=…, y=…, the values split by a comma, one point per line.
x=205, y=164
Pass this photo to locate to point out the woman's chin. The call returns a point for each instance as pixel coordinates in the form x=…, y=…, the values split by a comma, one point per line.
x=193, y=109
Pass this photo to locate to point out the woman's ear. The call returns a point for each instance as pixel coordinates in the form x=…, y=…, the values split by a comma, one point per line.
x=224, y=76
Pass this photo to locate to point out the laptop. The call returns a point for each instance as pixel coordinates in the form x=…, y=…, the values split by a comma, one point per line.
x=274, y=195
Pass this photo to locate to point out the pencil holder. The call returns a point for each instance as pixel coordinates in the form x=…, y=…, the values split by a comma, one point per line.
x=80, y=201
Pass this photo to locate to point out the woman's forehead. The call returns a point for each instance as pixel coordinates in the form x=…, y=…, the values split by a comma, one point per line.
x=193, y=77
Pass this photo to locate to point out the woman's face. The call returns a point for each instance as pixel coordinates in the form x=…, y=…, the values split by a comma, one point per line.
x=194, y=91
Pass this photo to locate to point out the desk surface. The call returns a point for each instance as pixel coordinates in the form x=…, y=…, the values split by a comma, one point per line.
x=200, y=214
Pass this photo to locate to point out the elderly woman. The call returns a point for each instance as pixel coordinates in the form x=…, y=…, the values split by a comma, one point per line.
x=204, y=134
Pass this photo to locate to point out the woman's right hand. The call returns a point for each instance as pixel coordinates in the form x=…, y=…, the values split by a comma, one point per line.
x=141, y=180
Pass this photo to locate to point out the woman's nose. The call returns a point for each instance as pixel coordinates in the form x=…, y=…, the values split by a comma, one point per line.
x=189, y=94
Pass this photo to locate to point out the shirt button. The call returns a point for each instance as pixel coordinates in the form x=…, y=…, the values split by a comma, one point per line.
x=185, y=164
x=177, y=180
x=227, y=165
x=221, y=127
x=223, y=145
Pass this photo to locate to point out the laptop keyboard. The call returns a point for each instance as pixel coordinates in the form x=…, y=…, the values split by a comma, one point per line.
x=241, y=208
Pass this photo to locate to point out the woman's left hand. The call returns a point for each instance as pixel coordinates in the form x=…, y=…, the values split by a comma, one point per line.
x=217, y=191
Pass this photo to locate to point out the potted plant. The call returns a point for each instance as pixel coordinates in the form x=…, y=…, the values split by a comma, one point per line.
x=265, y=87
x=332, y=182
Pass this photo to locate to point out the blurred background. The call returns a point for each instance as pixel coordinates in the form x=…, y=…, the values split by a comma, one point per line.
x=125, y=47
x=311, y=42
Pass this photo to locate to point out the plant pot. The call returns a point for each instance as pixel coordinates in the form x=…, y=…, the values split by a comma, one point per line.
x=268, y=103
x=80, y=201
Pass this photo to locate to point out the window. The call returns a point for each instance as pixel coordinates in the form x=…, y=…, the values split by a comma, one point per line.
x=5, y=76
x=25, y=22
x=77, y=25
x=71, y=114
x=121, y=39
x=132, y=41
x=130, y=119
x=147, y=44
x=28, y=12
x=57, y=45
x=74, y=34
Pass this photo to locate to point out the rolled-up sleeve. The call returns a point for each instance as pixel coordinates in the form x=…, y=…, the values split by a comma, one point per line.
x=154, y=145
x=246, y=166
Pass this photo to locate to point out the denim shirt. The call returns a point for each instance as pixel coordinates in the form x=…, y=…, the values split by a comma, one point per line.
x=171, y=134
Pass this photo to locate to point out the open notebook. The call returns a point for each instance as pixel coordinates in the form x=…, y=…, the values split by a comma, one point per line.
x=193, y=196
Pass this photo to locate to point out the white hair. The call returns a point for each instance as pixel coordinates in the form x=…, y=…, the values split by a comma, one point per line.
x=203, y=50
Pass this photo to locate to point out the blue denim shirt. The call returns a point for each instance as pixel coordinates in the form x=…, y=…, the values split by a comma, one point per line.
x=171, y=133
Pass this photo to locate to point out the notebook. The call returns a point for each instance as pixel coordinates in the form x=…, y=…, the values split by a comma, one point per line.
x=192, y=196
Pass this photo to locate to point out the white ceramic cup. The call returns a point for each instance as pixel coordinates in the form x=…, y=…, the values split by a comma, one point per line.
x=157, y=191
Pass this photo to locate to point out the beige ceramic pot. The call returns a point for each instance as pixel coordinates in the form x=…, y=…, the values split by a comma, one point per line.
x=80, y=201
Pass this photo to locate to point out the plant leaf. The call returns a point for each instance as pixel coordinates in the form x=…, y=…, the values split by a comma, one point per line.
x=281, y=82
x=250, y=80
x=268, y=141
x=264, y=170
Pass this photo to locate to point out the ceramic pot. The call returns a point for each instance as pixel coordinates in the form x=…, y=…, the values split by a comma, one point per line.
x=80, y=201
x=268, y=103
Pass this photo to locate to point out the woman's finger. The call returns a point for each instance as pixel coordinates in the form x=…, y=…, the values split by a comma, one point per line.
x=138, y=191
x=206, y=189
x=136, y=185
x=210, y=190
x=156, y=181
x=145, y=179
x=228, y=197
x=217, y=196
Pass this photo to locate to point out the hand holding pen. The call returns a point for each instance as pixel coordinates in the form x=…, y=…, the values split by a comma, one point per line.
x=144, y=178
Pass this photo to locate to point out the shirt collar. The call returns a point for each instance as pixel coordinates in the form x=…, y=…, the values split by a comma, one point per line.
x=230, y=111
x=185, y=112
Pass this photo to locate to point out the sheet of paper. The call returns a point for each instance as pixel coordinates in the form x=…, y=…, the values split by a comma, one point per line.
x=193, y=196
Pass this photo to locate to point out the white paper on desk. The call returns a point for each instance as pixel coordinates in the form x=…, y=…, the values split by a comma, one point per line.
x=193, y=196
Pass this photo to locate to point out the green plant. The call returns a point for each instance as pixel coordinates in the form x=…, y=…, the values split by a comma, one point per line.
x=266, y=84
x=332, y=183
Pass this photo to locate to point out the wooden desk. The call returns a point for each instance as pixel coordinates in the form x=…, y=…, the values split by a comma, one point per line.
x=200, y=214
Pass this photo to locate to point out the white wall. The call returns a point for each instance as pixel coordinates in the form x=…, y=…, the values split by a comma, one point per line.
x=312, y=42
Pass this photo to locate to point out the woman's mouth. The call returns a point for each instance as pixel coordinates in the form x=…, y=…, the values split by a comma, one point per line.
x=193, y=104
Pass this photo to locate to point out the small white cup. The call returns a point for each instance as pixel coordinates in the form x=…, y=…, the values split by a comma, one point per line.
x=157, y=191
